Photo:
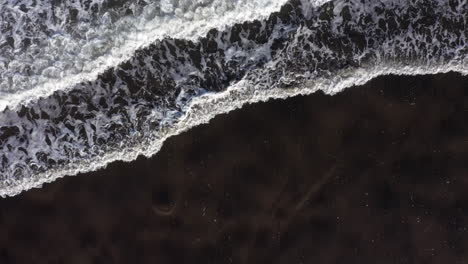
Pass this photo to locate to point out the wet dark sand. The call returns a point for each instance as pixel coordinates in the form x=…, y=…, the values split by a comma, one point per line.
x=376, y=174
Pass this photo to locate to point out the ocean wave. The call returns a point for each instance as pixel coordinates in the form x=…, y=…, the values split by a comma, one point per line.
x=52, y=45
x=175, y=84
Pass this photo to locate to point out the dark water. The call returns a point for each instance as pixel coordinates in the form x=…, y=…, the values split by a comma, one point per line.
x=375, y=174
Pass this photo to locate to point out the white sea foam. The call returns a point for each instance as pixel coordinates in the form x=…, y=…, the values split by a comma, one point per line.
x=66, y=58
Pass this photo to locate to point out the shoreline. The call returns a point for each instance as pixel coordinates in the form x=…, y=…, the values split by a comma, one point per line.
x=272, y=182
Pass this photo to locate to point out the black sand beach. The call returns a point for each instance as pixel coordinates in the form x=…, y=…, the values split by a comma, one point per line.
x=375, y=174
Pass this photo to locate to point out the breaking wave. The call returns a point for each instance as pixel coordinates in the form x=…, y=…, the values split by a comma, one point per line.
x=173, y=84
